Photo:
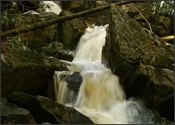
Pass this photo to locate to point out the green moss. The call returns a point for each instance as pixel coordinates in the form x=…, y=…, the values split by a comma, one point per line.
x=161, y=60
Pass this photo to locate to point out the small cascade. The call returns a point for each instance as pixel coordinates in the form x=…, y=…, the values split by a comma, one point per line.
x=84, y=65
x=47, y=6
x=93, y=89
x=51, y=6
x=62, y=93
x=91, y=43
x=99, y=90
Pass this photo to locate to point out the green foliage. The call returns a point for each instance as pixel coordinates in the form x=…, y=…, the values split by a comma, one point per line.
x=8, y=21
x=17, y=43
x=4, y=18
x=164, y=7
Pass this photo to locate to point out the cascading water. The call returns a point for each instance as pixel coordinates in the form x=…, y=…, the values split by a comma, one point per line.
x=48, y=6
x=96, y=92
x=51, y=6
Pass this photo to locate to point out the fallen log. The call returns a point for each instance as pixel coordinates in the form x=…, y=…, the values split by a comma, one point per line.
x=45, y=110
x=56, y=20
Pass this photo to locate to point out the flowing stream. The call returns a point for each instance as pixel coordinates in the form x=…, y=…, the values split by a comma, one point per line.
x=95, y=91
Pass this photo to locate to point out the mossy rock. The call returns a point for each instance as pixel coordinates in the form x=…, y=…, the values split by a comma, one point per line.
x=26, y=71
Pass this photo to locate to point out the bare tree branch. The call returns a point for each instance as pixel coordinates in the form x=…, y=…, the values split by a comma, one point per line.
x=56, y=20
x=151, y=31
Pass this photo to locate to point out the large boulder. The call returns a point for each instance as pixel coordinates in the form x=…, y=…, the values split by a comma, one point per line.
x=45, y=110
x=70, y=31
x=143, y=62
x=74, y=80
x=160, y=24
x=26, y=71
x=12, y=114
x=56, y=50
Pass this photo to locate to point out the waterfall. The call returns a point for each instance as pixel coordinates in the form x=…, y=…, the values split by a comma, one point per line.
x=93, y=89
x=51, y=6
x=91, y=43
x=47, y=6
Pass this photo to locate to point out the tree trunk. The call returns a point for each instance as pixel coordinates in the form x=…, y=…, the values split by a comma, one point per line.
x=56, y=20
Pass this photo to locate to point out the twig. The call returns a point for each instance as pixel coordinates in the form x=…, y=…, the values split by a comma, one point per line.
x=144, y=19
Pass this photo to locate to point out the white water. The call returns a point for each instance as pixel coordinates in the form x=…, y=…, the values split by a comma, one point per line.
x=100, y=97
x=51, y=6
x=48, y=6
x=91, y=43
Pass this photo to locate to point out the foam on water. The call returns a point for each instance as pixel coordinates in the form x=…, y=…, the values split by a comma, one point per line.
x=100, y=90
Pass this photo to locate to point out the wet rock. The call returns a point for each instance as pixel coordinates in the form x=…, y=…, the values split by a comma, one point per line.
x=45, y=110
x=70, y=31
x=74, y=81
x=12, y=114
x=166, y=108
x=144, y=63
x=155, y=84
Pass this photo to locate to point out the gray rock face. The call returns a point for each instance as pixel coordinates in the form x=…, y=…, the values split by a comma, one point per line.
x=144, y=63
x=12, y=114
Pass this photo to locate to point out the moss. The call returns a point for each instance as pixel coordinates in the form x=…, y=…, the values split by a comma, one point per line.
x=161, y=60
